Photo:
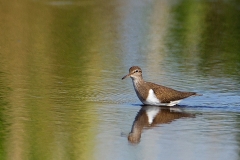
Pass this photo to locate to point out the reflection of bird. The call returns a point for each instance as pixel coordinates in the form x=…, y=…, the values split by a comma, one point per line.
x=150, y=116
x=154, y=94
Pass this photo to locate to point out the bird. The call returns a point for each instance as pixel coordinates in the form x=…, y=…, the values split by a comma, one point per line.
x=153, y=94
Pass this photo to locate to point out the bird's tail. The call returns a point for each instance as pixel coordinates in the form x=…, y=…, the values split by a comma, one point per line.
x=197, y=94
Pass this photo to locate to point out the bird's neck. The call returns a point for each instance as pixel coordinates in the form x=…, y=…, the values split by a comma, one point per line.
x=138, y=80
x=140, y=88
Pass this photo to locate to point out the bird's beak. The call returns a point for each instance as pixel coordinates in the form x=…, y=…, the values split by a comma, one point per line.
x=126, y=76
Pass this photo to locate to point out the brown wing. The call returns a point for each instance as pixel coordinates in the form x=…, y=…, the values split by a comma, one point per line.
x=166, y=94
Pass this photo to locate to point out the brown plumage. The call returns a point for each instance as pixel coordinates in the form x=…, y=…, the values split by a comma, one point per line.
x=167, y=94
x=162, y=93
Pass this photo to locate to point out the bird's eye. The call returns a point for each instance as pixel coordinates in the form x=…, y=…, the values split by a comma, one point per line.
x=136, y=71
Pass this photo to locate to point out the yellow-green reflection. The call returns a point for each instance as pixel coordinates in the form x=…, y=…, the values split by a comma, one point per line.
x=46, y=49
x=207, y=33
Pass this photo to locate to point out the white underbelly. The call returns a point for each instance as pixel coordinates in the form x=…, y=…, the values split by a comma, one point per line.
x=152, y=99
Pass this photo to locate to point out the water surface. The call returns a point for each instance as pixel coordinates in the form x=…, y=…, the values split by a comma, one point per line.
x=61, y=93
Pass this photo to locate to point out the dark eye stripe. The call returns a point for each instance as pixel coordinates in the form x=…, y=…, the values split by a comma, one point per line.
x=137, y=71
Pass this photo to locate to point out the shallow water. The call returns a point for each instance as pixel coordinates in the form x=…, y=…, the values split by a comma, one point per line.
x=61, y=93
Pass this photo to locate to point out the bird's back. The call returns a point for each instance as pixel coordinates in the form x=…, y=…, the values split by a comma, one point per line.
x=166, y=95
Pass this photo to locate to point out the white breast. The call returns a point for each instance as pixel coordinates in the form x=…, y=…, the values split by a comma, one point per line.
x=152, y=99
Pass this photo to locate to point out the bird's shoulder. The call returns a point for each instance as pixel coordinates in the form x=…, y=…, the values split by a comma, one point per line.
x=160, y=88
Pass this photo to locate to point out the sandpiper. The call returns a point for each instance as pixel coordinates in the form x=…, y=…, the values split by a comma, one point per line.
x=154, y=94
